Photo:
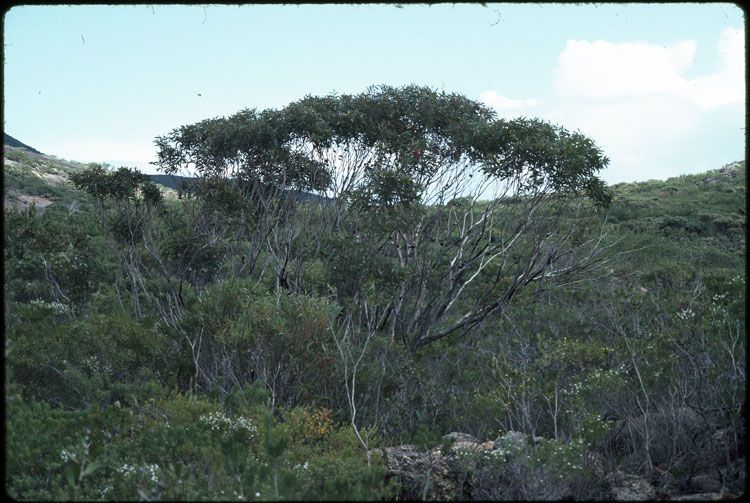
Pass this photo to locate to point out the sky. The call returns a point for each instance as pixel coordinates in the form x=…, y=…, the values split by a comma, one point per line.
x=659, y=87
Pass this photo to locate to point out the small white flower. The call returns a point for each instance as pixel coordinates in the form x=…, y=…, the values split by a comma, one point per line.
x=126, y=470
x=217, y=421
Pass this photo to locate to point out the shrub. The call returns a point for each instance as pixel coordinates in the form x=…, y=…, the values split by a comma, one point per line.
x=248, y=335
x=83, y=362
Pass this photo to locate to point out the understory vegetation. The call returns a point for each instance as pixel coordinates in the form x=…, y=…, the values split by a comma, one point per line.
x=345, y=277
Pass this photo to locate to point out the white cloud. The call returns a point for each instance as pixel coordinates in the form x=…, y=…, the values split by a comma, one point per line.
x=503, y=103
x=632, y=132
x=602, y=69
x=635, y=101
x=728, y=85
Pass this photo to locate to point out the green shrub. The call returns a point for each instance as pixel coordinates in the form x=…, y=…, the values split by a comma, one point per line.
x=247, y=330
x=85, y=361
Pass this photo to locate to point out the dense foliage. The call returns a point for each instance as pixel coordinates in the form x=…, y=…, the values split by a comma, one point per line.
x=402, y=171
x=245, y=341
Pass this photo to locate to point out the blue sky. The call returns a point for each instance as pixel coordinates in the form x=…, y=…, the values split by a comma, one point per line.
x=661, y=88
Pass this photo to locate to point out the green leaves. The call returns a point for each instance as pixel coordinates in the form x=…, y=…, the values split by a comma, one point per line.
x=123, y=184
x=412, y=130
x=544, y=156
x=387, y=190
x=276, y=438
x=81, y=471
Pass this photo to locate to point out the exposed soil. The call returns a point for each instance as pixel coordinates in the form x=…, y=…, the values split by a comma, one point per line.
x=24, y=201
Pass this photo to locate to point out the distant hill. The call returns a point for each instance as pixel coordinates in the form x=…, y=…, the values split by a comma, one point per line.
x=12, y=142
x=174, y=182
x=30, y=177
x=184, y=183
x=686, y=223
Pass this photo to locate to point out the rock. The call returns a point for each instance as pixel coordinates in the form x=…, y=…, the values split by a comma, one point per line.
x=627, y=487
x=730, y=170
x=511, y=439
x=465, y=446
x=423, y=474
x=705, y=484
x=472, y=446
x=487, y=446
x=461, y=437
x=466, y=442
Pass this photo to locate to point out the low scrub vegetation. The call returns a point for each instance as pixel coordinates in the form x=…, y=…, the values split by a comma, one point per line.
x=241, y=343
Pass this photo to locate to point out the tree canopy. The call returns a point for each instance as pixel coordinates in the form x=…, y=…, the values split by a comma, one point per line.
x=401, y=138
x=395, y=164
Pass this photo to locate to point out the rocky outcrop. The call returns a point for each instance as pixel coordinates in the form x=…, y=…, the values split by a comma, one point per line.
x=423, y=474
x=460, y=437
x=465, y=470
x=468, y=469
x=627, y=487
x=23, y=201
x=516, y=439
x=433, y=474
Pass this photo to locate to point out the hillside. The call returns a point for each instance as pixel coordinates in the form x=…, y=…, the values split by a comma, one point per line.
x=141, y=342
x=687, y=223
x=174, y=182
x=33, y=178
x=12, y=142
x=30, y=177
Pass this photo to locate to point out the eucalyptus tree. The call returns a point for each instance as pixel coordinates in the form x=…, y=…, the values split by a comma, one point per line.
x=126, y=201
x=432, y=213
x=248, y=180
